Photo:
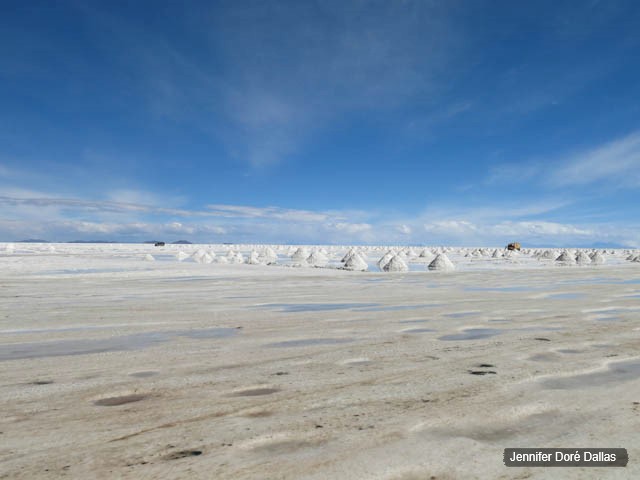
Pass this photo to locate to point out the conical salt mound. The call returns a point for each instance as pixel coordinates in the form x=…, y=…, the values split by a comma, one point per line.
x=441, y=262
x=181, y=256
x=352, y=251
x=597, y=258
x=549, y=255
x=396, y=264
x=221, y=260
x=269, y=255
x=582, y=258
x=317, y=259
x=198, y=254
x=300, y=255
x=237, y=258
x=425, y=253
x=254, y=258
x=149, y=258
x=496, y=254
x=636, y=259
x=566, y=258
x=356, y=262
x=386, y=258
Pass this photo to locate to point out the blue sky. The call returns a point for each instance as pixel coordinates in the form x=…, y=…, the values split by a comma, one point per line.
x=384, y=122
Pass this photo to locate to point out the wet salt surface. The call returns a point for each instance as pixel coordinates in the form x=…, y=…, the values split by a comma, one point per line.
x=472, y=334
x=392, y=308
x=135, y=341
x=565, y=296
x=615, y=373
x=82, y=271
x=462, y=314
x=315, y=307
x=419, y=330
x=521, y=288
x=310, y=341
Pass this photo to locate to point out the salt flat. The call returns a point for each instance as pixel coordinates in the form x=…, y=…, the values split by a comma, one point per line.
x=113, y=366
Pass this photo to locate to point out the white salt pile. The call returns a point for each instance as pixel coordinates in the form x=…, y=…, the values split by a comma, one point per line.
x=396, y=264
x=300, y=255
x=352, y=251
x=582, y=258
x=269, y=255
x=597, y=258
x=356, y=262
x=318, y=259
x=386, y=258
x=496, y=254
x=548, y=255
x=198, y=254
x=254, y=258
x=426, y=254
x=181, y=256
x=149, y=258
x=221, y=259
x=237, y=258
x=441, y=262
x=566, y=258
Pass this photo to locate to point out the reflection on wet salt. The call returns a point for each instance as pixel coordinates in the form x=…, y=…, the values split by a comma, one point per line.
x=615, y=373
x=135, y=341
x=461, y=314
x=309, y=341
x=520, y=288
x=472, y=334
x=418, y=330
x=566, y=296
x=315, y=307
x=392, y=308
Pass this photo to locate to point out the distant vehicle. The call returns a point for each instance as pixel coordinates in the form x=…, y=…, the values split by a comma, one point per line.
x=159, y=244
x=513, y=246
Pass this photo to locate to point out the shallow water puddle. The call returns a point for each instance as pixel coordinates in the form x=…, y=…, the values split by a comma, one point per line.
x=135, y=341
x=461, y=314
x=515, y=288
x=565, y=296
x=472, y=334
x=615, y=373
x=418, y=330
x=315, y=307
x=392, y=308
x=309, y=341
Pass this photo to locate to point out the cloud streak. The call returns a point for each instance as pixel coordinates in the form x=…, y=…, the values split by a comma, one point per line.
x=615, y=164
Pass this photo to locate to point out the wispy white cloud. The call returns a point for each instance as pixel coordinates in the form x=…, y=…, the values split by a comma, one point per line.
x=617, y=161
x=615, y=164
x=241, y=211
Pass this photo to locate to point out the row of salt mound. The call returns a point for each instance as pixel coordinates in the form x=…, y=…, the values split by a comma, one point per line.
x=581, y=258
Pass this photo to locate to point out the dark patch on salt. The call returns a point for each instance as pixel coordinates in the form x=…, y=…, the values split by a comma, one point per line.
x=254, y=392
x=121, y=400
x=183, y=454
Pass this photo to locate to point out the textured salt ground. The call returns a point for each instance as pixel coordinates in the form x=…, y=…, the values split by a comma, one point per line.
x=388, y=404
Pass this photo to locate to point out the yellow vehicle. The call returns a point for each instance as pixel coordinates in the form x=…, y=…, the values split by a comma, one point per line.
x=513, y=246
